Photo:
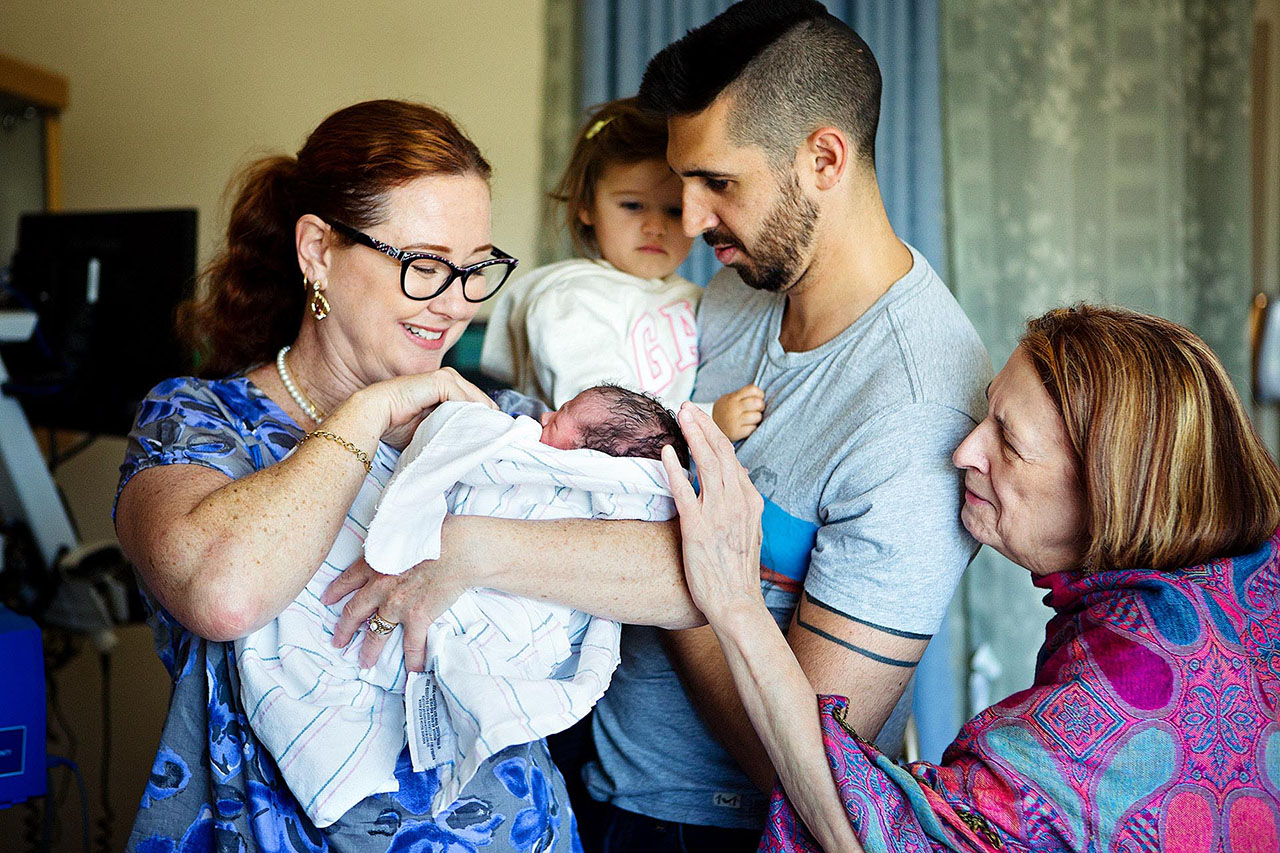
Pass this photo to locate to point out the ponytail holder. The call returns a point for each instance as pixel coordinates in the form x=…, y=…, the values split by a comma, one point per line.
x=597, y=127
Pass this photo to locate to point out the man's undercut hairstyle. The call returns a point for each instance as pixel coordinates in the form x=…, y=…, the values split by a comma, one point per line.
x=789, y=66
x=637, y=425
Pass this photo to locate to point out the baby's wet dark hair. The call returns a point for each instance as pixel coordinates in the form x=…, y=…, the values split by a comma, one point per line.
x=637, y=425
x=788, y=67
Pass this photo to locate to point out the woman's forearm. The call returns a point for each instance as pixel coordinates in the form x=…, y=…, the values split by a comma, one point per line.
x=227, y=557
x=624, y=570
x=784, y=710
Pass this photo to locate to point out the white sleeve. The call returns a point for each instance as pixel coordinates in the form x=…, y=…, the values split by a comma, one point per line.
x=578, y=339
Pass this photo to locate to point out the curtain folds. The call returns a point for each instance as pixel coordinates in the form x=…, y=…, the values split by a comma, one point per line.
x=1095, y=151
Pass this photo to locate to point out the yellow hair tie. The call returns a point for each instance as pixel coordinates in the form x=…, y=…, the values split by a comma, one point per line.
x=598, y=126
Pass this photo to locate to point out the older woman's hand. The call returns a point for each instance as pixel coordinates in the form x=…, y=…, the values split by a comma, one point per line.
x=720, y=525
x=413, y=600
x=400, y=404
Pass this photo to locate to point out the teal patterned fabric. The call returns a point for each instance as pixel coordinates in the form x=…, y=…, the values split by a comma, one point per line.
x=1151, y=725
x=213, y=786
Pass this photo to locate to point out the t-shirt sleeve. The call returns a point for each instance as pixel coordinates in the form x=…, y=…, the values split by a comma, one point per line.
x=578, y=339
x=186, y=421
x=891, y=547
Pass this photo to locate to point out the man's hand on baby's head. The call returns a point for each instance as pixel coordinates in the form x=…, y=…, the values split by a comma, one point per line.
x=738, y=413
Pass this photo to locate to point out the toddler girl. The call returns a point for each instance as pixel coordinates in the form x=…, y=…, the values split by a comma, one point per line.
x=620, y=313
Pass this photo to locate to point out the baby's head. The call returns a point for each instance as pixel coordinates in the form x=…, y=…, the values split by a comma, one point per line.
x=622, y=201
x=615, y=421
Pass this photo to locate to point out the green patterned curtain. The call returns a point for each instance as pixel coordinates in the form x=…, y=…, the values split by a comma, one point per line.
x=1094, y=150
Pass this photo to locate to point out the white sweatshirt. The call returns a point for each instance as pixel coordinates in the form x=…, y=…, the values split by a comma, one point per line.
x=571, y=325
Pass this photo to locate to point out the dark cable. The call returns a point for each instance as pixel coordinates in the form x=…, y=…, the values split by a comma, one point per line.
x=108, y=816
x=66, y=506
x=59, y=761
x=55, y=659
x=19, y=389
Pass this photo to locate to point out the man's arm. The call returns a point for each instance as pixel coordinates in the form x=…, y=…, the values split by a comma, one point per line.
x=891, y=544
x=840, y=655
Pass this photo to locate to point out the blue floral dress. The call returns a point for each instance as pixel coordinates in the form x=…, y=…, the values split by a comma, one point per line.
x=213, y=786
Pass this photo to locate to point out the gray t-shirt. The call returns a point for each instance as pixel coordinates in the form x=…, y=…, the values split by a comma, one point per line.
x=862, y=511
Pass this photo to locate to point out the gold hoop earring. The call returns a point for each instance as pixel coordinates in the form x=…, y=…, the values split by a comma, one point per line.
x=319, y=305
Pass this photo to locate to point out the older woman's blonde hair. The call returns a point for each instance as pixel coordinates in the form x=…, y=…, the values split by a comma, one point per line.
x=1174, y=474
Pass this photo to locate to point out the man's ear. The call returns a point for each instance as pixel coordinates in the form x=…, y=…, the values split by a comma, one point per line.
x=313, y=239
x=827, y=152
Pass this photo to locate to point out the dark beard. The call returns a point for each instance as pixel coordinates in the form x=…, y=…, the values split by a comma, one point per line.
x=785, y=238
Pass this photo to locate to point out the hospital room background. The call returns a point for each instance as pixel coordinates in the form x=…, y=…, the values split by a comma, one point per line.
x=1036, y=153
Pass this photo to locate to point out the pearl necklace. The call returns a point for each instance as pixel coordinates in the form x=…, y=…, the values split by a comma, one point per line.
x=308, y=407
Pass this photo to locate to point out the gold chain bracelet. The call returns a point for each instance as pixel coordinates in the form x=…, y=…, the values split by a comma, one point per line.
x=359, y=454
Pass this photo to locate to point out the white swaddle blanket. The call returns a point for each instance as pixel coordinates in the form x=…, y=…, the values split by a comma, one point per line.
x=501, y=670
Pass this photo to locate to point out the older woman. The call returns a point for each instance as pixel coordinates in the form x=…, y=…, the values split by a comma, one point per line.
x=348, y=271
x=1118, y=466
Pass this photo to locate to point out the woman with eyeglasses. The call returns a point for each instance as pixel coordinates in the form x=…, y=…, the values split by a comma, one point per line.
x=348, y=271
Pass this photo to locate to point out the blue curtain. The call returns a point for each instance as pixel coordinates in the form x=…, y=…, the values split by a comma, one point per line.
x=618, y=38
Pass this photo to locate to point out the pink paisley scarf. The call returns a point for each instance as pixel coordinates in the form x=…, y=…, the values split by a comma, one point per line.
x=1151, y=725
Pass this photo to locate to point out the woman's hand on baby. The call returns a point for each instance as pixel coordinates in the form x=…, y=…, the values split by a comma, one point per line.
x=738, y=413
x=399, y=405
x=719, y=525
x=412, y=600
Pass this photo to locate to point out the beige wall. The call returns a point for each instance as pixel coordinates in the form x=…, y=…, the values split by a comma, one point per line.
x=168, y=98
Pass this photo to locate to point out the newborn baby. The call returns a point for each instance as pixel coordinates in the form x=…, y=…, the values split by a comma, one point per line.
x=613, y=420
x=501, y=670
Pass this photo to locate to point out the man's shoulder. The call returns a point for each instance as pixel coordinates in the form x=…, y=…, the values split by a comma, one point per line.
x=935, y=343
x=920, y=303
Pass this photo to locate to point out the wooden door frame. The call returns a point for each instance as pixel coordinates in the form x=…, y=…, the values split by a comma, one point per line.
x=50, y=93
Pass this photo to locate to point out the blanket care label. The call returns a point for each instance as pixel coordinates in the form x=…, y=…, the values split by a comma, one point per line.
x=432, y=741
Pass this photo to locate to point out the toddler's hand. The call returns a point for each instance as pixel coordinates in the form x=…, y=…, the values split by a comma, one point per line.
x=738, y=413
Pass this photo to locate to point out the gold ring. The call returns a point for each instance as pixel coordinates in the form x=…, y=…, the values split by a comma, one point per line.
x=380, y=626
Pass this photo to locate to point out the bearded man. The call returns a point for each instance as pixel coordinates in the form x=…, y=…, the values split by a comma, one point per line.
x=871, y=376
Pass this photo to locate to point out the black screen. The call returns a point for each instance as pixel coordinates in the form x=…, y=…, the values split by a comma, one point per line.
x=105, y=287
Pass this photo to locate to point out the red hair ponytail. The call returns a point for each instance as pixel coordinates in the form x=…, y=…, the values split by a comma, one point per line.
x=251, y=296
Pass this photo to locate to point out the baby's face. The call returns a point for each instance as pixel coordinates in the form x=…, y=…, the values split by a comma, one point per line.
x=563, y=427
